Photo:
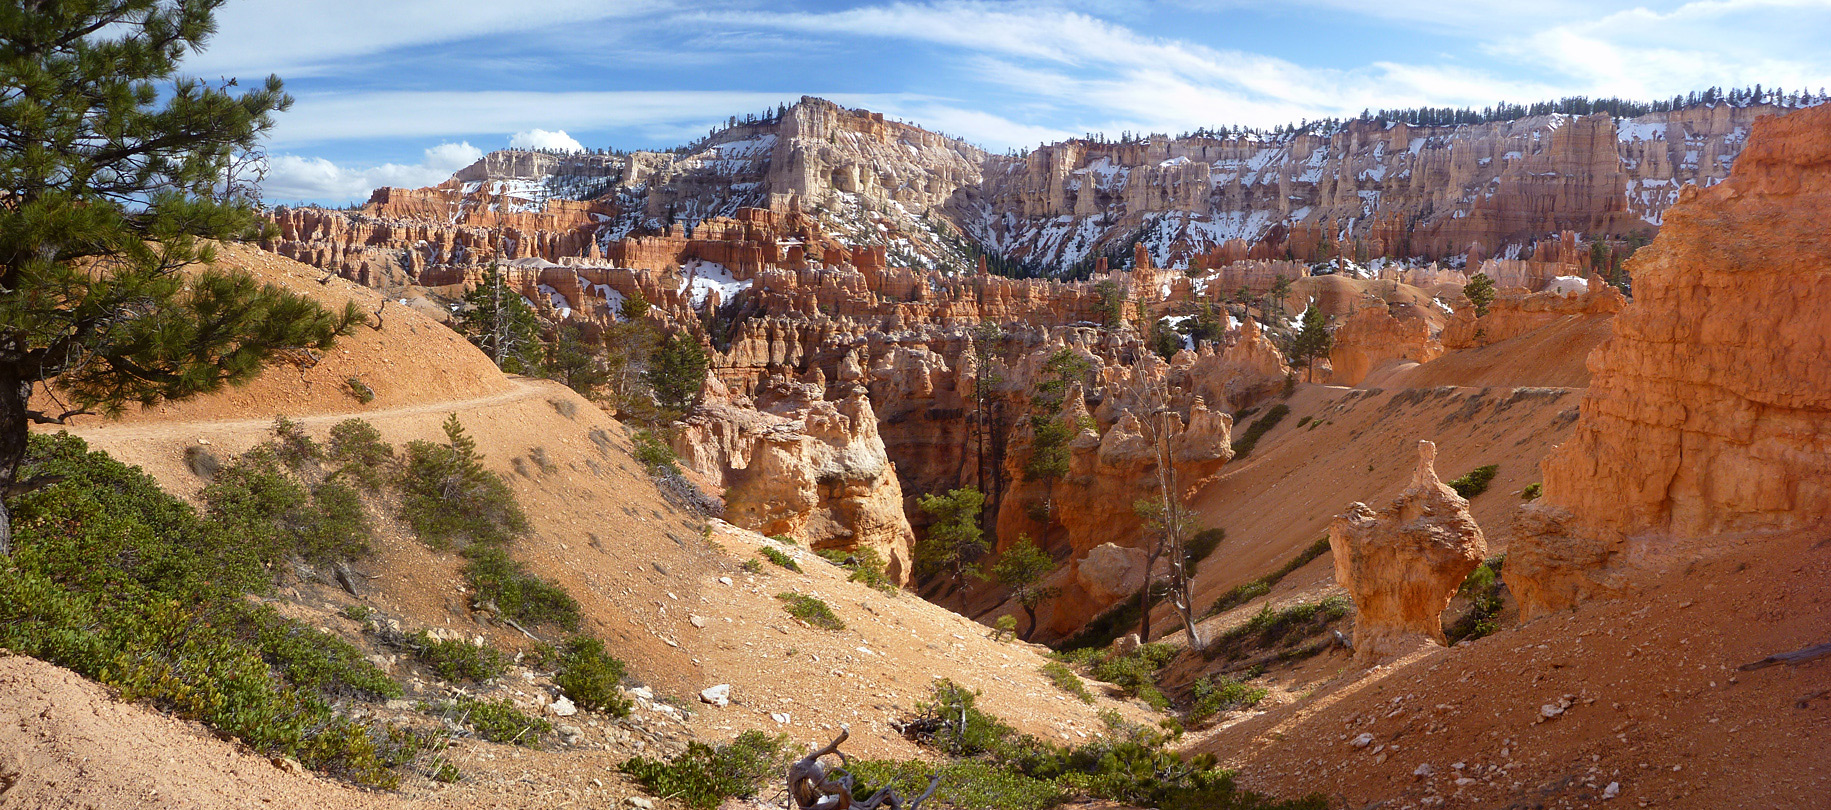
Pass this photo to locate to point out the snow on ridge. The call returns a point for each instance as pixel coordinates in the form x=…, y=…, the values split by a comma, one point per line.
x=704, y=277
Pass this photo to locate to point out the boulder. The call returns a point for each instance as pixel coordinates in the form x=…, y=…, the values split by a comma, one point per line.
x=1403, y=563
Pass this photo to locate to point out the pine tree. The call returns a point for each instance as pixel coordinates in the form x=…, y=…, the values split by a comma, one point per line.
x=572, y=360
x=500, y=322
x=677, y=373
x=954, y=539
x=1022, y=568
x=1480, y=292
x=1313, y=340
x=115, y=174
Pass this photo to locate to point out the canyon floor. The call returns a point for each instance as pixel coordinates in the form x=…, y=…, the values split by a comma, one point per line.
x=1642, y=692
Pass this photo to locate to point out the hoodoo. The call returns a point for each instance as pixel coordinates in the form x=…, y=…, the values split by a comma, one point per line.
x=1707, y=418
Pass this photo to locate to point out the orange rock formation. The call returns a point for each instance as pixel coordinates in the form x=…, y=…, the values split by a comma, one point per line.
x=1710, y=406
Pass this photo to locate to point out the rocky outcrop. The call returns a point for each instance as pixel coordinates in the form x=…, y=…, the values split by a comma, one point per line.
x=1402, y=564
x=794, y=463
x=1517, y=312
x=1375, y=336
x=1708, y=408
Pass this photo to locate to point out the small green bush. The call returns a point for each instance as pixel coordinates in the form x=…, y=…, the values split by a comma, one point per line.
x=590, y=676
x=1475, y=481
x=783, y=539
x=447, y=495
x=292, y=445
x=1532, y=492
x=868, y=570
x=950, y=722
x=779, y=558
x=1135, y=673
x=360, y=390
x=360, y=454
x=1244, y=445
x=752, y=566
x=1246, y=592
x=457, y=660
x=653, y=452
x=1215, y=695
x=1271, y=628
x=704, y=776
x=1484, y=590
x=356, y=613
x=497, y=578
x=811, y=610
x=964, y=783
x=494, y=720
x=1065, y=680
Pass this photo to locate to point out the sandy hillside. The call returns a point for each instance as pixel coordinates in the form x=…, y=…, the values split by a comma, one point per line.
x=1360, y=445
x=1643, y=692
x=667, y=597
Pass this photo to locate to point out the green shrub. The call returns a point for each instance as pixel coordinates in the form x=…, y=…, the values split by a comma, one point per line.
x=1246, y=592
x=1201, y=545
x=356, y=613
x=868, y=570
x=811, y=610
x=497, y=578
x=1243, y=446
x=307, y=658
x=447, y=495
x=1475, y=481
x=779, y=558
x=783, y=539
x=1135, y=673
x=950, y=722
x=590, y=676
x=653, y=452
x=1215, y=695
x=360, y=454
x=1272, y=628
x=457, y=660
x=704, y=776
x=752, y=566
x=836, y=556
x=360, y=390
x=292, y=445
x=964, y=783
x=1065, y=680
x=1484, y=589
x=494, y=720
x=122, y=583
x=1532, y=492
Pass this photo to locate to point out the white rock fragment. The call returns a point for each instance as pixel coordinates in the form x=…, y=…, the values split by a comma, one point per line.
x=1364, y=740
x=719, y=695
x=562, y=707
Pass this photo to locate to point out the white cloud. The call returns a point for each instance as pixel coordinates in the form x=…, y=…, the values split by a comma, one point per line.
x=292, y=177
x=454, y=113
x=294, y=38
x=542, y=139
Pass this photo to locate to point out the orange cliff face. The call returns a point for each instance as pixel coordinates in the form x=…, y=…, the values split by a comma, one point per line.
x=1709, y=415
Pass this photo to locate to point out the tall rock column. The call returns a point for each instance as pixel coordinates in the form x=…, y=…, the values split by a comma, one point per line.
x=1709, y=411
x=1402, y=564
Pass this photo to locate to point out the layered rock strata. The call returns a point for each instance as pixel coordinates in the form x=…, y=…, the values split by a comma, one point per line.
x=1402, y=564
x=1709, y=409
x=794, y=463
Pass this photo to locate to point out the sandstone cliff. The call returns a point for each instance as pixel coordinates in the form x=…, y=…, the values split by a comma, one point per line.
x=1709, y=407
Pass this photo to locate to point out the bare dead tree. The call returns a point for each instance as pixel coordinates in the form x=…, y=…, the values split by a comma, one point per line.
x=813, y=787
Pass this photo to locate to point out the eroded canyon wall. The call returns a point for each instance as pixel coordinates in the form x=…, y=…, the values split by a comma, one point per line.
x=1709, y=414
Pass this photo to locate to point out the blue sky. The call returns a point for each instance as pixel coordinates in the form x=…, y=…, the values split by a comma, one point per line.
x=403, y=92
